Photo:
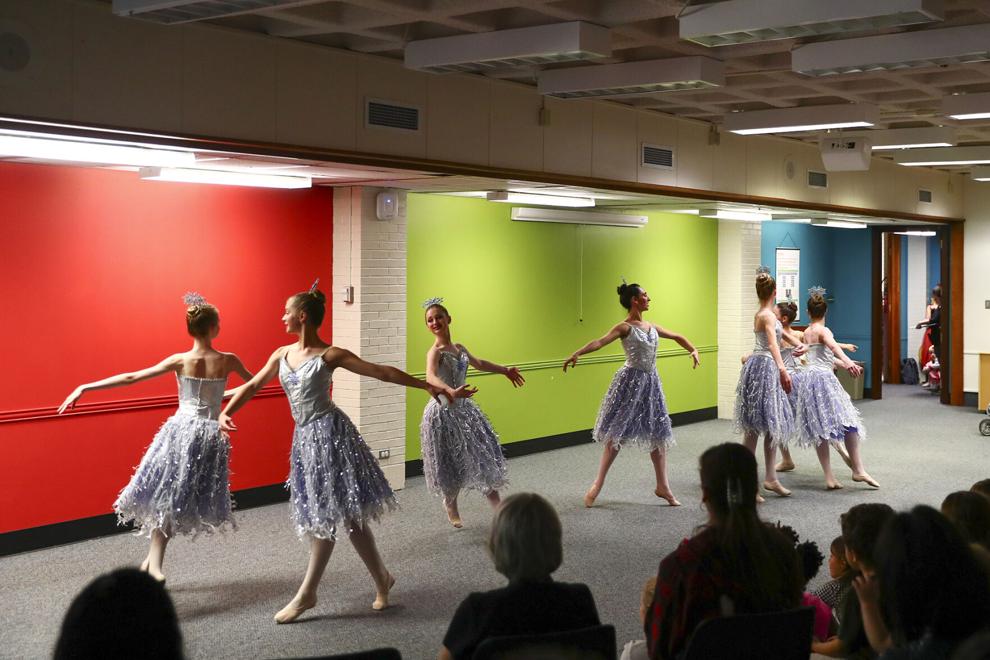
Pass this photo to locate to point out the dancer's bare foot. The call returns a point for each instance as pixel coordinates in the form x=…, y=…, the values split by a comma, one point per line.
x=667, y=495
x=759, y=499
x=157, y=575
x=776, y=487
x=144, y=565
x=592, y=495
x=866, y=479
x=833, y=484
x=381, y=599
x=295, y=608
x=785, y=466
x=453, y=515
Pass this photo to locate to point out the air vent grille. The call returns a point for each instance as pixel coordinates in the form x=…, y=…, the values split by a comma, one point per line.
x=925, y=196
x=384, y=114
x=658, y=157
x=817, y=179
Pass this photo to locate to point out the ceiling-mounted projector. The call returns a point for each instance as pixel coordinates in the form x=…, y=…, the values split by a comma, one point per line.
x=846, y=153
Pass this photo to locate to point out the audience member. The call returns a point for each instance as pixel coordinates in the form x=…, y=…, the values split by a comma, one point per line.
x=969, y=512
x=810, y=560
x=982, y=487
x=525, y=544
x=842, y=575
x=636, y=650
x=122, y=614
x=735, y=564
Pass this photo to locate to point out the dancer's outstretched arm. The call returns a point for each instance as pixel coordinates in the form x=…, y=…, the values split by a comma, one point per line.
x=620, y=330
x=680, y=339
x=433, y=375
x=512, y=373
x=836, y=349
x=172, y=363
x=767, y=324
x=340, y=357
x=249, y=389
x=235, y=365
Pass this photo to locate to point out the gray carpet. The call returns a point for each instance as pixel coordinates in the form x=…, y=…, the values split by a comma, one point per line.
x=226, y=589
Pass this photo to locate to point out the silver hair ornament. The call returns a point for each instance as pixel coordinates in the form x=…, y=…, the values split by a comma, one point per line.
x=816, y=291
x=192, y=298
x=760, y=270
x=430, y=302
x=312, y=289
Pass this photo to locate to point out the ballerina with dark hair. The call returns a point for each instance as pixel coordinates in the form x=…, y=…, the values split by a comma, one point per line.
x=634, y=410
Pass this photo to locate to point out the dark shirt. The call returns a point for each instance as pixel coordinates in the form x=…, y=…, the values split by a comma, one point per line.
x=852, y=632
x=523, y=608
x=926, y=648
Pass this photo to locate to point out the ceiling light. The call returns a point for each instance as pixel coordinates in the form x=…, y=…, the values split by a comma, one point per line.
x=225, y=178
x=746, y=21
x=967, y=106
x=172, y=12
x=915, y=233
x=980, y=173
x=577, y=217
x=891, y=52
x=788, y=219
x=13, y=146
x=544, y=200
x=735, y=214
x=632, y=78
x=505, y=49
x=837, y=224
x=808, y=118
x=909, y=138
x=944, y=156
x=683, y=211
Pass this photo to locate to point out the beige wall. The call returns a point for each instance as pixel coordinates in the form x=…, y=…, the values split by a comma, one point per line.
x=976, y=262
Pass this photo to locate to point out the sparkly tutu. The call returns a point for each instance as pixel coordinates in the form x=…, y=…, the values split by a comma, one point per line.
x=824, y=410
x=333, y=478
x=460, y=449
x=182, y=484
x=634, y=412
x=762, y=406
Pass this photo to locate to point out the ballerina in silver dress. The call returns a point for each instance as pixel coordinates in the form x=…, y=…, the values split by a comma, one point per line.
x=181, y=485
x=634, y=410
x=460, y=448
x=334, y=481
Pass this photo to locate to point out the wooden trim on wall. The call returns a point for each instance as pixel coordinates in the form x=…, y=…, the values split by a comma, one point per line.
x=952, y=326
x=892, y=311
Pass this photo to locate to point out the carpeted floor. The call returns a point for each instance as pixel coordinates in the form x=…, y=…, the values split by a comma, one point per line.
x=226, y=589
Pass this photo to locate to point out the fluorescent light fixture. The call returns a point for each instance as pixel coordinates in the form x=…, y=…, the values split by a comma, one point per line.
x=944, y=156
x=577, y=217
x=747, y=21
x=808, y=118
x=967, y=106
x=789, y=219
x=892, y=52
x=225, y=178
x=909, y=138
x=736, y=214
x=683, y=211
x=545, y=200
x=632, y=78
x=171, y=12
x=980, y=173
x=508, y=49
x=915, y=233
x=12, y=146
x=837, y=224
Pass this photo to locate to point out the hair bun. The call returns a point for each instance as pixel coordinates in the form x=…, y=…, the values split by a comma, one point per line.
x=319, y=296
x=621, y=289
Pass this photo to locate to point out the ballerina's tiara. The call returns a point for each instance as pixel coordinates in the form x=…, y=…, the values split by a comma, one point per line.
x=192, y=299
x=430, y=302
x=312, y=289
x=760, y=270
x=816, y=291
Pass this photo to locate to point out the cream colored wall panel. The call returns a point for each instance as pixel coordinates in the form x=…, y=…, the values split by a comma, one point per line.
x=945, y=193
x=694, y=156
x=42, y=85
x=615, y=147
x=976, y=273
x=885, y=187
x=659, y=130
x=316, y=96
x=794, y=180
x=567, y=137
x=386, y=80
x=764, y=167
x=458, y=118
x=229, y=84
x=516, y=134
x=126, y=77
x=851, y=188
x=729, y=164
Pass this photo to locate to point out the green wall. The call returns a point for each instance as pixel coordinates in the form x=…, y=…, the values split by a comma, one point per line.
x=529, y=294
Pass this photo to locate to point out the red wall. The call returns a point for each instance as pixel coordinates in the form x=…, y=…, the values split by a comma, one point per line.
x=93, y=265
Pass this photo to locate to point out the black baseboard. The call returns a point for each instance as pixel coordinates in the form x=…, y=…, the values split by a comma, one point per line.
x=971, y=399
x=84, y=529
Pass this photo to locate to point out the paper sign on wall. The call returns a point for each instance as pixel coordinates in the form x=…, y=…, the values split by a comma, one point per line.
x=789, y=277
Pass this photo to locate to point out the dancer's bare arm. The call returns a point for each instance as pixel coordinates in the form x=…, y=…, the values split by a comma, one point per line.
x=620, y=330
x=512, y=373
x=344, y=359
x=249, y=389
x=682, y=340
x=767, y=324
x=235, y=365
x=170, y=364
x=836, y=349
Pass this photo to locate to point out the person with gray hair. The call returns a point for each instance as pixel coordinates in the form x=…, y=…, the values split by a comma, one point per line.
x=525, y=545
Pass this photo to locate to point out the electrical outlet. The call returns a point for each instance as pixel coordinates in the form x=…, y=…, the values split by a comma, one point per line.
x=384, y=453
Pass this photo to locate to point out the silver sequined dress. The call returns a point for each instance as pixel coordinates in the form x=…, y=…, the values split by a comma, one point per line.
x=824, y=410
x=634, y=411
x=333, y=478
x=762, y=405
x=460, y=448
x=182, y=484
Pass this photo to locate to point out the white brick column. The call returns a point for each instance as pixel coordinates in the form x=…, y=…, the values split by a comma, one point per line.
x=370, y=255
x=738, y=259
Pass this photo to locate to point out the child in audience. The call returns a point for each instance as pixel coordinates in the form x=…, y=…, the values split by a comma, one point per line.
x=982, y=487
x=933, y=370
x=810, y=560
x=636, y=649
x=842, y=575
x=969, y=513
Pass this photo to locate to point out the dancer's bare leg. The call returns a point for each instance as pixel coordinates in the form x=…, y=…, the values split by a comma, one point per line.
x=493, y=498
x=831, y=483
x=750, y=440
x=859, y=472
x=450, y=504
x=364, y=542
x=152, y=564
x=769, y=458
x=786, y=463
x=659, y=458
x=319, y=555
x=608, y=457
x=840, y=449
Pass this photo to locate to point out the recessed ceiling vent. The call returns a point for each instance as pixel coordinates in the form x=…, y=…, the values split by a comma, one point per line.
x=171, y=12
x=386, y=114
x=661, y=158
x=925, y=196
x=817, y=179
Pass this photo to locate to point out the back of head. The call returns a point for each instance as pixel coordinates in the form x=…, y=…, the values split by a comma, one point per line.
x=201, y=316
x=788, y=311
x=627, y=292
x=765, y=285
x=817, y=306
x=525, y=540
x=313, y=303
x=117, y=610
x=861, y=527
x=929, y=579
x=982, y=487
x=970, y=513
x=937, y=292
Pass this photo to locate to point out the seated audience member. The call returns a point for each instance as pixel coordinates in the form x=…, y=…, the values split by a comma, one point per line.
x=122, y=614
x=525, y=544
x=861, y=527
x=636, y=650
x=929, y=595
x=933, y=370
x=810, y=560
x=842, y=575
x=736, y=563
x=969, y=512
x=976, y=647
x=982, y=487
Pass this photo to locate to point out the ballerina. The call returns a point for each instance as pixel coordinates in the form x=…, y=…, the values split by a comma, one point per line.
x=182, y=484
x=333, y=479
x=634, y=411
x=825, y=413
x=460, y=448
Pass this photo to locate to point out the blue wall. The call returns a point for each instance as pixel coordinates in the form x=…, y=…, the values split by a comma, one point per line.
x=840, y=261
x=934, y=262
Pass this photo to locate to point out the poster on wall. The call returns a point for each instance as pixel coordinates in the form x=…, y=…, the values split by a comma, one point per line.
x=789, y=277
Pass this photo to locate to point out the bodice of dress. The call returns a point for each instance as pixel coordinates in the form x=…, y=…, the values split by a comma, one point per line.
x=453, y=368
x=201, y=397
x=641, y=348
x=762, y=346
x=790, y=362
x=820, y=357
x=307, y=387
